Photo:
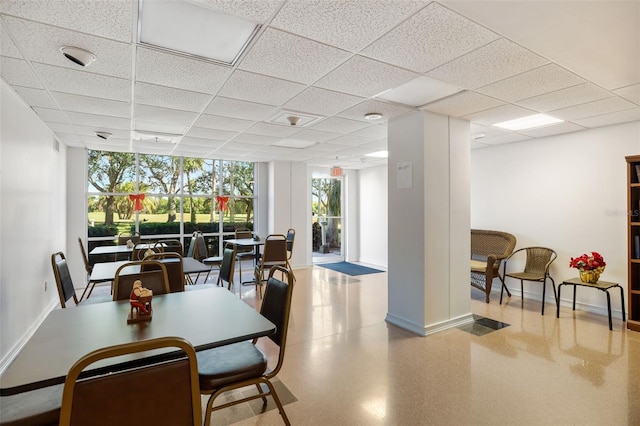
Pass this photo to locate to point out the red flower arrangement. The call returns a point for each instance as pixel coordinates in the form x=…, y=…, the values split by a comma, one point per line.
x=588, y=263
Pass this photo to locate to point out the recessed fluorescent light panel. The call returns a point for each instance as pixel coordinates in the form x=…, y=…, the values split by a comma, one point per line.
x=379, y=154
x=186, y=27
x=420, y=91
x=529, y=122
x=294, y=143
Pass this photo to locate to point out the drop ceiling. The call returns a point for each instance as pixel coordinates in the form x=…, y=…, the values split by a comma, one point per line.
x=331, y=62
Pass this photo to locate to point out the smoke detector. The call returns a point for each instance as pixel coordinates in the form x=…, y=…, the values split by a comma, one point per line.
x=103, y=135
x=294, y=118
x=78, y=56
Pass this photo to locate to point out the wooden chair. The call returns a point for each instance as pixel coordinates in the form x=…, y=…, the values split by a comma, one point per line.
x=536, y=268
x=155, y=280
x=170, y=245
x=88, y=268
x=242, y=364
x=174, y=265
x=166, y=393
x=274, y=254
x=64, y=283
x=140, y=250
x=122, y=239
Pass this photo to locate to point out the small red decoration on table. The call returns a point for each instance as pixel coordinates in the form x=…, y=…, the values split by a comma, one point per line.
x=140, y=301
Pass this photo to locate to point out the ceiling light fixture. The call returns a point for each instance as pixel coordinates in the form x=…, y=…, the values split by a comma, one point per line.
x=373, y=116
x=529, y=122
x=78, y=56
x=141, y=135
x=193, y=29
x=379, y=154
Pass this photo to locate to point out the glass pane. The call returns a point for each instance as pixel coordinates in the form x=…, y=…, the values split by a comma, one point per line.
x=237, y=178
x=239, y=214
x=161, y=216
x=200, y=215
x=159, y=174
x=198, y=176
x=111, y=172
x=327, y=235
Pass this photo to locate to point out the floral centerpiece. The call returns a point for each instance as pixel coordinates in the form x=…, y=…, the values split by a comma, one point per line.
x=589, y=266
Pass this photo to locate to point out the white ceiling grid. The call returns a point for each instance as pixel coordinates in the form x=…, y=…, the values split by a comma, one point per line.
x=328, y=59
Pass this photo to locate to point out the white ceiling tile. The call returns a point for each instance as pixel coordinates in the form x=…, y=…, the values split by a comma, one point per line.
x=386, y=109
x=428, y=39
x=351, y=25
x=221, y=135
x=478, y=145
x=563, y=98
x=18, y=73
x=340, y=125
x=190, y=152
x=42, y=43
x=36, y=97
x=326, y=147
x=542, y=80
x=164, y=69
x=377, y=131
x=68, y=138
x=169, y=97
x=7, y=46
x=301, y=155
x=110, y=19
x=222, y=123
x=61, y=128
x=51, y=115
x=290, y=57
x=236, y=108
x=315, y=135
x=241, y=146
x=98, y=120
x=90, y=131
x=590, y=109
x=379, y=145
x=612, y=118
x=350, y=140
x=199, y=142
x=356, y=152
x=366, y=77
x=555, y=129
x=84, y=83
x=259, y=88
x=77, y=103
x=164, y=115
x=462, y=104
x=488, y=131
x=277, y=150
x=272, y=130
x=256, y=139
x=499, y=114
x=498, y=60
x=631, y=93
x=324, y=102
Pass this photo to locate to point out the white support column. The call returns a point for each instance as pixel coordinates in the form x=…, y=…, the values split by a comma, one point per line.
x=429, y=221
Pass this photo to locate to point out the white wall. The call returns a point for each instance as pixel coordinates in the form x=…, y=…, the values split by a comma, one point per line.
x=564, y=192
x=32, y=220
x=373, y=200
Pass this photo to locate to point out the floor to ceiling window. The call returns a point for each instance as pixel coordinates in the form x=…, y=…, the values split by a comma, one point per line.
x=167, y=197
x=326, y=207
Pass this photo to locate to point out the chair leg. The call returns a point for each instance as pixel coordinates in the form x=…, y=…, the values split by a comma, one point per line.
x=544, y=289
x=278, y=403
x=264, y=398
x=291, y=269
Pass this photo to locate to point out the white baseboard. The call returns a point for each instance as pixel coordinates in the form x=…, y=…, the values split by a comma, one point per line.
x=425, y=330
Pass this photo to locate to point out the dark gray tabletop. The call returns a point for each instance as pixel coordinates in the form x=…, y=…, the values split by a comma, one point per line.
x=106, y=271
x=206, y=318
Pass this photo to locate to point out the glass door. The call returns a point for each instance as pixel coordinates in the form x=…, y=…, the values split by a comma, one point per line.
x=326, y=206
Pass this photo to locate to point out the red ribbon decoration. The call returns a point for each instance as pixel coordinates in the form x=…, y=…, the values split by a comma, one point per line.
x=222, y=202
x=138, y=201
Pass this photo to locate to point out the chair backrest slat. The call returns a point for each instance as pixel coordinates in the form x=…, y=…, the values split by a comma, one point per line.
x=66, y=290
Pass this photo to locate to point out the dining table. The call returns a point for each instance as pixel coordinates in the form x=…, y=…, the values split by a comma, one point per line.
x=207, y=318
x=248, y=242
x=106, y=271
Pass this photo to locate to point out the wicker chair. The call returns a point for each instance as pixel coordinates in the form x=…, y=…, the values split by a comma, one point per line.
x=536, y=269
x=488, y=249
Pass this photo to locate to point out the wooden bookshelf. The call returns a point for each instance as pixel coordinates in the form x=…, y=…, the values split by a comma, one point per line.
x=633, y=232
